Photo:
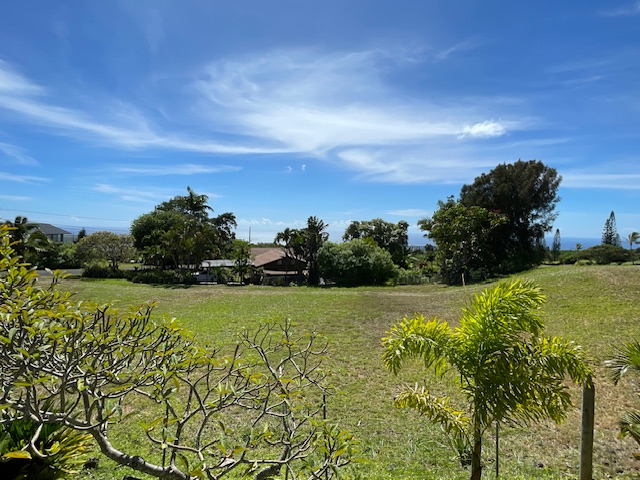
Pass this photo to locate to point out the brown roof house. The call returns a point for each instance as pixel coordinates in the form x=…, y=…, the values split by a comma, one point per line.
x=274, y=266
x=271, y=266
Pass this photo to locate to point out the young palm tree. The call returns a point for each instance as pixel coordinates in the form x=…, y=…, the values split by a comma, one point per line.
x=507, y=369
x=626, y=359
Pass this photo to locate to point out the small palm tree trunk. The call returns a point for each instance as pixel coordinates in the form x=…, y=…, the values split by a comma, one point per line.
x=476, y=454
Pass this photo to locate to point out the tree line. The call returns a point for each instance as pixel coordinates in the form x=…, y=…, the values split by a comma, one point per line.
x=495, y=226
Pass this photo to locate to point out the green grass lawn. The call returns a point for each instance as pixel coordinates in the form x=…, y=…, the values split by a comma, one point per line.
x=595, y=306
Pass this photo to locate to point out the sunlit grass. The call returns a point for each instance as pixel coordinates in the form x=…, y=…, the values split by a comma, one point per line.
x=596, y=307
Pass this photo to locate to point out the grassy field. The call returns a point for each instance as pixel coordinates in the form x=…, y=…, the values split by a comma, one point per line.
x=596, y=307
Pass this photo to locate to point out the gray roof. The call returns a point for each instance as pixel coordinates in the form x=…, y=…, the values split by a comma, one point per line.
x=49, y=229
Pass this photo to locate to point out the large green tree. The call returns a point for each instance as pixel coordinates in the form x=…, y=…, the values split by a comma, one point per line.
x=463, y=237
x=180, y=232
x=505, y=366
x=255, y=410
x=393, y=237
x=526, y=193
x=106, y=246
x=356, y=262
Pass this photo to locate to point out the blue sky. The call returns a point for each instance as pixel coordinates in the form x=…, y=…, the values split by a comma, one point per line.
x=282, y=109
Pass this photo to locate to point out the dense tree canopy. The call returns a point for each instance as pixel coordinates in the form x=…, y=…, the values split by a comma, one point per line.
x=180, y=232
x=526, y=193
x=393, y=237
x=354, y=263
x=106, y=246
x=463, y=236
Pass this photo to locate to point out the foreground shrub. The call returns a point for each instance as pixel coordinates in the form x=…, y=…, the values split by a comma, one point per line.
x=506, y=369
x=254, y=411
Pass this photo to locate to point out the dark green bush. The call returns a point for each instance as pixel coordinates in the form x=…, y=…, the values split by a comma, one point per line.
x=604, y=254
x=354, y=263
x=102, y=270
x=161, y=277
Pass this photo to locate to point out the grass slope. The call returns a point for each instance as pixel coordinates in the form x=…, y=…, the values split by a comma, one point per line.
x=594, y=306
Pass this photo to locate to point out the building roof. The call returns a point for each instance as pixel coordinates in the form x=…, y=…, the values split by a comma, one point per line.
x=49, y=229
x=267, y=255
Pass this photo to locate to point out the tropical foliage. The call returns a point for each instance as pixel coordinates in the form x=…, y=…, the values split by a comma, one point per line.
x=392, y=237
x=180, y=233
x=304, y=244
x=506, y=368
x=626, y=360
x=463, y=236
x=28, y=241
x=32, y=451
x=526, y=194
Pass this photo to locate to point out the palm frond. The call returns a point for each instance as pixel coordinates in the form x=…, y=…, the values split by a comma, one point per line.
x=627, y=357
x=416, y=337
x=437, y=409
x=630, y=425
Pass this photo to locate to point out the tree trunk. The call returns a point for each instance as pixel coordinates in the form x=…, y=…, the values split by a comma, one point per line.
x=476, y=454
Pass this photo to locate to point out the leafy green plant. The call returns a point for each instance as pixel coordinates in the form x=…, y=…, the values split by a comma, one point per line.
x=626, y=360
x=508, y=371
x=42, y=451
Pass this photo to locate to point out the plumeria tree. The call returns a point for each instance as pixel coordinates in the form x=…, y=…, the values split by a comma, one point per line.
x=507, y=370
x=254, y=410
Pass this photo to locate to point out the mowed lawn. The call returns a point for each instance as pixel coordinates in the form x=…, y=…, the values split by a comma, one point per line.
x=597, y=307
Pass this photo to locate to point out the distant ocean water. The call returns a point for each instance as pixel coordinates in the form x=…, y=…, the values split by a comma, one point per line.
x=570, y=243
x=566, y=243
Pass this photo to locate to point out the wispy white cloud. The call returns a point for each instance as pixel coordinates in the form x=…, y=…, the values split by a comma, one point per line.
x=628, y=10
x=22, y=178
x=17, y=154
x=616, y=181
x=15, y=198
x=124, y=126
x=314, y=103
x=12, y=82
x=183, y=169
x=335, y=106
x=129, y=195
